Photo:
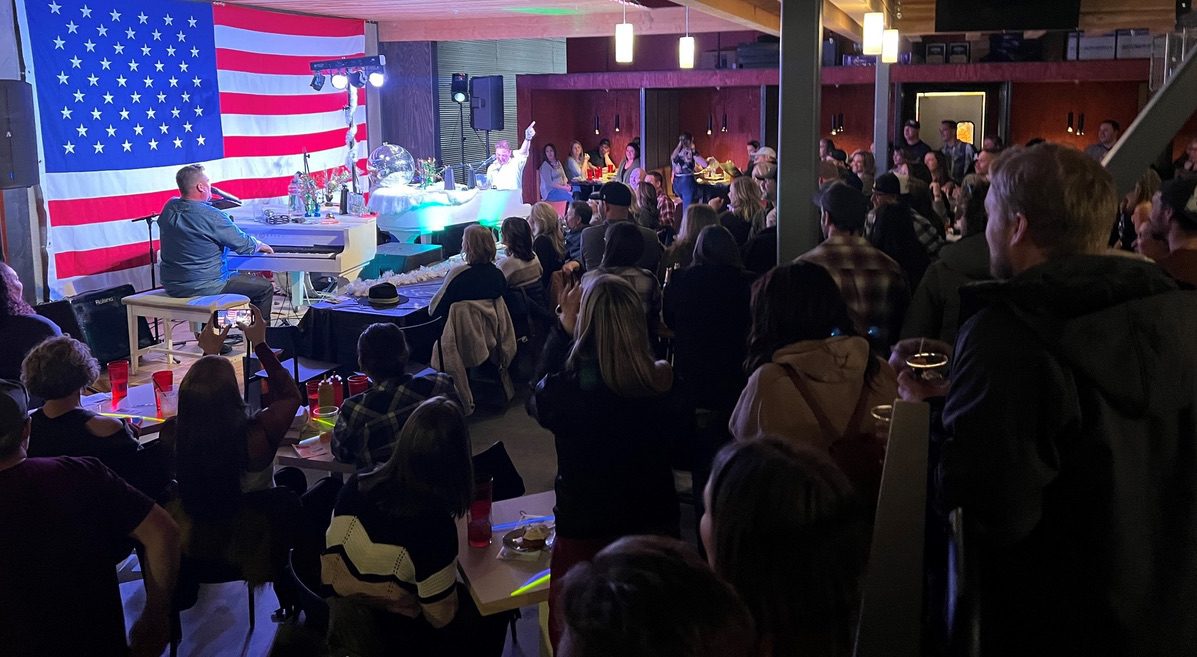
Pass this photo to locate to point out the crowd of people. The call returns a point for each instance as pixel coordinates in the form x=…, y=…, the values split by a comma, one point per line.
x=1063, y=434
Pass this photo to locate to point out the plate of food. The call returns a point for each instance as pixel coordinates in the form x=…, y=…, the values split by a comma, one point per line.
x=532, y=537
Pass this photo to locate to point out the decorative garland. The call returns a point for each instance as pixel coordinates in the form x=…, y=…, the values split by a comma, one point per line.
x=424, y=274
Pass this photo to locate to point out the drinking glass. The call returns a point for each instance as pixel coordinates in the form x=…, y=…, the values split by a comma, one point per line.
x=478, y=529
x=164, y=387
x=118, y=377
x=929, y=366
x=883, y=415
x=313, y=394
x=358, y=383
x=320, y=423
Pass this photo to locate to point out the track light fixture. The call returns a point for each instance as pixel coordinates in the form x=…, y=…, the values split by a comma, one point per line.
x=317, y=81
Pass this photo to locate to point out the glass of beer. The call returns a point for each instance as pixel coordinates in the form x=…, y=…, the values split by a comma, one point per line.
x=929, y=366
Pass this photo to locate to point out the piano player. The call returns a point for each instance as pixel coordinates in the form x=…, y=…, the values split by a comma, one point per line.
x=194, y=236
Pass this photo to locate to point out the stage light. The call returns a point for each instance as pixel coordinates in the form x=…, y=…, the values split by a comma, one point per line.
x=889, y=47
x=318, y=81
x=377, y=78
x=874, y=25
x=357, y=79
x=340, y=80
x=459, y=87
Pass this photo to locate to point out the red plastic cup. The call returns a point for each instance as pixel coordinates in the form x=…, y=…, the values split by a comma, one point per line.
x=164, y=382
x=358, y=383
x=118, y=377
x=313, y=394
x=478, y=531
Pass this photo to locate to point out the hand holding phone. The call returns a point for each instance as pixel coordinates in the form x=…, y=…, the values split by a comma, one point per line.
x=233, y=317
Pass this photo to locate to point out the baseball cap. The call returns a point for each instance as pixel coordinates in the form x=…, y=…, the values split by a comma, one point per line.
x=1181, y=195
x=614, y=193
x=14, y=404
x=847, y=206
x=887, y=183
x=913, y=123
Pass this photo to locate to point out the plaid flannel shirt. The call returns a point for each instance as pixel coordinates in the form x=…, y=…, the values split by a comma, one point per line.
x=872, y=284
x=369, y=423
x=665, y=207
x=928, y=236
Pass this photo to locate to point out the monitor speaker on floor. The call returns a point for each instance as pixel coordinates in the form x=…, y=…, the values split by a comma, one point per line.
x=99, y=320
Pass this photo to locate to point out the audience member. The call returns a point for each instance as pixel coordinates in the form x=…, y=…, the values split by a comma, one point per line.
x=872, y=284
x=391, y=550
x=1186, y=165
x=1134, y=211
x=369, y=422
x=629, y=163
x=615, y=422
x=578, y=161
x=476, y=278
x=1148, y=245
x=935, y=308
x=664, y=203
x=57, y=370
x=766, y=155
x=554, y=183
x=985, y=160
x=521, y=267
x=814, y=378
x=888, y=203
x=864, y=165
x=785, y=528
x=648, y=596
x=647, y=214
x=600, y=157
x=614, y=199
x=760, y=253
x=1107, y=135
x=624, y=245
x=993, y=142
x=22, y=328
x=548, y=242
x=67, y=522
x=911, y=141
x=960, y=154
x=577, y=219
x=686, y=161
x=746, y=216
x=1174, y=218
x=752, y=147
x=681, y=252
x=1066, y=500
x=937, y=165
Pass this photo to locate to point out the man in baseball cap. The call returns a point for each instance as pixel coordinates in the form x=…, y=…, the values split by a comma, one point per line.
x=911, y=140
x=1174, y=219
x=615, y=199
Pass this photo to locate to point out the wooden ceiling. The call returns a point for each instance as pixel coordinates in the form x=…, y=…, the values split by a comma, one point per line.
x=421, y=20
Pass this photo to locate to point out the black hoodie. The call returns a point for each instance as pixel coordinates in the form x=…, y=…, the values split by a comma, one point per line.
x=1073, y=453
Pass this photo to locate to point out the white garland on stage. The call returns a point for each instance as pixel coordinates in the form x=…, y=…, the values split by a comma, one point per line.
x=424, y=274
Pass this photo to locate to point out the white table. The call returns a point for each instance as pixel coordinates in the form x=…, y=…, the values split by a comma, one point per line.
x=491, y=580
x=138, y=406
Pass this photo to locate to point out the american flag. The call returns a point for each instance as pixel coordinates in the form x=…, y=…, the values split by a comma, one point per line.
x=129, y=91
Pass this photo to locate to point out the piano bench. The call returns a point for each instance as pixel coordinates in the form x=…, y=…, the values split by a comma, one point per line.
x=158, y=304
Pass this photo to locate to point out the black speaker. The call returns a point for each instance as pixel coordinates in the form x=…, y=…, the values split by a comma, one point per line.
x=98, y=319
x=458, y=90
x=486, y=102
x=18, y=147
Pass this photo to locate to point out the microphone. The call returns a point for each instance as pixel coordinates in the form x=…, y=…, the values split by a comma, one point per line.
x=148, y=219
x=488, y=161
x=222, y=200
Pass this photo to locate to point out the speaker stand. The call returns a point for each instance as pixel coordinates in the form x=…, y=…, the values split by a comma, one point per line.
x=461, y=131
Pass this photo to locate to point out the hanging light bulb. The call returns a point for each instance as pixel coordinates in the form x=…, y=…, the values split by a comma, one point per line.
x=685, y=46
x=623, y=39
x=1070, y=123
x=596, y=124
x=889, y=47
x=616, y=123
x=874, y=25
x=710, y=122
x=724, y=128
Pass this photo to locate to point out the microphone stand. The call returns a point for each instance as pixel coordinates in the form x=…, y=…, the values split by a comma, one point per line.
x=149, y=227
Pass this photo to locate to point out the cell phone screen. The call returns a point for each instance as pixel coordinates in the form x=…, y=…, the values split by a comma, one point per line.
x=228, y=318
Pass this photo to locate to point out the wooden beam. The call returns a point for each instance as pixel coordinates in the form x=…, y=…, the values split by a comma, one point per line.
x=741, y=12
x=670, y=20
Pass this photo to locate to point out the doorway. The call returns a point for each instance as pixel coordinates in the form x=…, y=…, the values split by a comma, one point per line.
x=979, y=107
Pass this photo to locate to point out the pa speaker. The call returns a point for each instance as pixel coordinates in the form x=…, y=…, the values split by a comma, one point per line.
x=18, y=140
x=458, y=90
x=99, y=320
x=486, y=102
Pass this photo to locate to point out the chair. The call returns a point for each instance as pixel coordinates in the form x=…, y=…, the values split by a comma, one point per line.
x=159, y=305
x=192, y=573
x=422, y=339
x=314, y=607
x=477, y=333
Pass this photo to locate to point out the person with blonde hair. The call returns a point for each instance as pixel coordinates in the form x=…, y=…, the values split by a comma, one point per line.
x=745, y=219
x=615, y=421
x=476, y=278
x=681, y=252
x=548, y=240
x=1134, y=211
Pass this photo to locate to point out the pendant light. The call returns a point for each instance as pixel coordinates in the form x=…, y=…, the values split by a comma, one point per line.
x=596, y=124
x=623, y=39
x=889, y=47
x=710, y=122
x=874, y=25
x=685, y=46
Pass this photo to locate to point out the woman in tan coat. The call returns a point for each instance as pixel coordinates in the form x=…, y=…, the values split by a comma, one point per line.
x=806, y=360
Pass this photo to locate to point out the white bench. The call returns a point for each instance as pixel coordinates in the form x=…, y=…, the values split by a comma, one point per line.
x=156, y=303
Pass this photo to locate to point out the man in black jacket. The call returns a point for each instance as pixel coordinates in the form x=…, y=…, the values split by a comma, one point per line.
x=1071, y=426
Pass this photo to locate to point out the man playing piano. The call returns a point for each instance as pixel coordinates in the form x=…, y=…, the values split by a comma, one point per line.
x=194, y=238
x=507, y=171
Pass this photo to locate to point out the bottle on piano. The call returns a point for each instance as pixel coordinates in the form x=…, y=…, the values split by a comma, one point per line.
x=295, y=204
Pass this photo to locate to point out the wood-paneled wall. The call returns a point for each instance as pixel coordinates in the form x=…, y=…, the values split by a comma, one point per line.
x=1041, y=109
x=409, y=97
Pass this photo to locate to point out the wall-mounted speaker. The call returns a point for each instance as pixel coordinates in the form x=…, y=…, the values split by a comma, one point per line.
x=18, y=138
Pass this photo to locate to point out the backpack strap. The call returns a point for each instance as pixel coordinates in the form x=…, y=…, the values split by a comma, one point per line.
x=828, y=429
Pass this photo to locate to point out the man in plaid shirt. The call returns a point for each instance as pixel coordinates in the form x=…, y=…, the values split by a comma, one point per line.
x=664, y=203
x=887, y=190
x=872, y=283
x=369, y=423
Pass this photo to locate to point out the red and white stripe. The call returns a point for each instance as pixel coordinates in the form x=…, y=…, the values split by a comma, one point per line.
x=269, y=117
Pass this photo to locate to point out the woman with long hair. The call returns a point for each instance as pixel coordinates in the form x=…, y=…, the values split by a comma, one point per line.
x=745, y=219
x=476, y=278
x=649, y=214
x=864, y=165
x=22, y=328
x=391, y=548
x=521, y=266
x=893, y=233
x=686, y=162
x=554, y=183
x=1135, y=210
x=578, y=161
x=615, y=423
x=806, y=360
x=681, y=252
x=629, y=163
x=548, y=240
x=772, y=502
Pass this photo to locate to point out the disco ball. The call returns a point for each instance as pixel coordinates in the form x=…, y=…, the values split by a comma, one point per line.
x=392, y=165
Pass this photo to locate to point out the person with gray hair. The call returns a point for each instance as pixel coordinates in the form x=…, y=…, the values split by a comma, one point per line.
x=1069, y=426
